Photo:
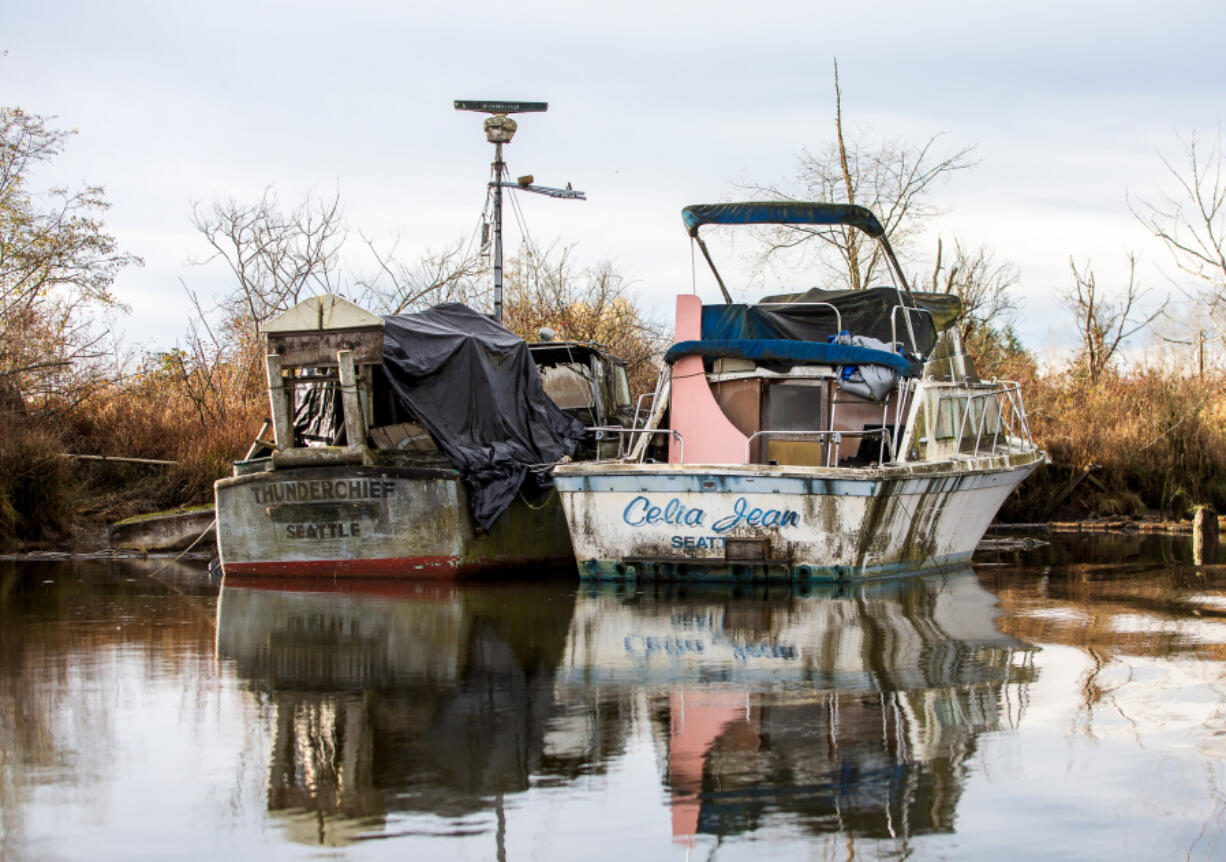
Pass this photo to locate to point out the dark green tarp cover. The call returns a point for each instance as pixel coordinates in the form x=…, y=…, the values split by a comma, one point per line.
x=863, y=312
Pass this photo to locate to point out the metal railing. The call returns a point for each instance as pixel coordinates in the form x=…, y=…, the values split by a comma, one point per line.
x=625, y=443
x=638, y=407
x=830, y=441
x=908, y=310
x=838, y=318
x=1006, y=416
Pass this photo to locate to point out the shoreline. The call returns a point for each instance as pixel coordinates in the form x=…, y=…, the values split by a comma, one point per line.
x=95, y=547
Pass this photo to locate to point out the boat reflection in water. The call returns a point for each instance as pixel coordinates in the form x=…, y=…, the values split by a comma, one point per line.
x=395, y=697
x=845, y=709
x=848, y=710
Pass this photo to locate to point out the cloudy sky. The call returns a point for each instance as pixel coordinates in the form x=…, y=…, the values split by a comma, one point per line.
x=653, y=105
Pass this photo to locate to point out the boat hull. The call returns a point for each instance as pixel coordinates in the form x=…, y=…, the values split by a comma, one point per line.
x=371, y=522
x=719, y=522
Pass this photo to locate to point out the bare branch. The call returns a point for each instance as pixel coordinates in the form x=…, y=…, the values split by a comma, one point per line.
x=450, y=275
x=891, y=178
x=1192, y=222
x=1104, y=323
x=277, y=257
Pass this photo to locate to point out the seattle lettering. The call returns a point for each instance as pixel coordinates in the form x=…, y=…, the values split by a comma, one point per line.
x=323, y=530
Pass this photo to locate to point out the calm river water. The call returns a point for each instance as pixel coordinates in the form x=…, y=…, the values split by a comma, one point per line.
x=1061, y=702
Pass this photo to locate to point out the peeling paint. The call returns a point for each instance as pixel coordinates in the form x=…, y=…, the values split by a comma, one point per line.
x=417, y=524
x=850, y=523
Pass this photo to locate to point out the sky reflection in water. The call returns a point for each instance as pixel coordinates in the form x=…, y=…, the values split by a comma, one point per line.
x=1033, y=706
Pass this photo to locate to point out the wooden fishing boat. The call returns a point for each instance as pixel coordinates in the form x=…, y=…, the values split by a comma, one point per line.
x=417, y=445
x=453, y=437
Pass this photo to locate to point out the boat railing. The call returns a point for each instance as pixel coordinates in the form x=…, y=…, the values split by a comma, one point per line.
x=987, y=415
x=625, y=442
x=829, y=439
x=638, y=408
x=838, y=318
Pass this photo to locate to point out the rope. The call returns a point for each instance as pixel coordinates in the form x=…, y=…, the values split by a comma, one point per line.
x=153, y=576
x=194, y=543
x=548, y=498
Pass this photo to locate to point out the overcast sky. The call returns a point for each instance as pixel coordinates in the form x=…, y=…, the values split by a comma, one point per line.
x=651, y=106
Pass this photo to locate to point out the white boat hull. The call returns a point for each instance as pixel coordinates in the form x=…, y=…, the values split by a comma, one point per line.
x=727, y=522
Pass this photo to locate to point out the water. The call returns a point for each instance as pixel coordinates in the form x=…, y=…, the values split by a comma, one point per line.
x=1036, y=706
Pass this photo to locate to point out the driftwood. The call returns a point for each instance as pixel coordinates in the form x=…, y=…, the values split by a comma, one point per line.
x=1065, y=490
x=121, y=459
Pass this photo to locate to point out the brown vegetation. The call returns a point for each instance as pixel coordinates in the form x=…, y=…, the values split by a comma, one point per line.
x=1143, y=440
x=1122, y=442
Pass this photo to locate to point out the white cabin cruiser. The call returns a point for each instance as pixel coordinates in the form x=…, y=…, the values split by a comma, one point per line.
x=826, y=435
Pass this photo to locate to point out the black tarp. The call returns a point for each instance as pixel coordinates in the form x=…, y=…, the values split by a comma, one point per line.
x=474, y=386
x=867, y=312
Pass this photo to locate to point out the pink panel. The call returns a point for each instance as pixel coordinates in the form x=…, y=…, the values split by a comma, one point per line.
x=709, y=437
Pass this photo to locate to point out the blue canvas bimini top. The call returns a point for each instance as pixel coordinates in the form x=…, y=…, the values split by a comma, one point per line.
x=781, y=212
x=804, y=352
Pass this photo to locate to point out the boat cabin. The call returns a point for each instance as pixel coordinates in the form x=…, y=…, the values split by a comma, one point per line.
x=823, y=379
x=590, y=384
x=315, y=347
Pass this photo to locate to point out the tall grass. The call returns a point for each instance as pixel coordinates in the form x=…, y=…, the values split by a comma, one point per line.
x=166, y=411
x=1145, y=440
x=157, y=414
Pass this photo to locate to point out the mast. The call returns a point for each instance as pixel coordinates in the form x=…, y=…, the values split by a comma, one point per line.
x=499, y=129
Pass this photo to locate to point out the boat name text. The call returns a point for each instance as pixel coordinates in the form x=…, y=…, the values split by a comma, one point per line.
x=639, y=647
x=324, y=489
x=642, y=511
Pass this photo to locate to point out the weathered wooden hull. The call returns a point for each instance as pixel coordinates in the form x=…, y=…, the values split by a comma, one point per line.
x=727, y=522
x=363, y=522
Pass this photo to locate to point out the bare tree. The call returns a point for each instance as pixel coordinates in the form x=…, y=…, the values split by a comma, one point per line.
x=1103, y=323
x=277, y=257
x=1191, y=223
x=892, y=179
x=450, y=275
x=982, y=283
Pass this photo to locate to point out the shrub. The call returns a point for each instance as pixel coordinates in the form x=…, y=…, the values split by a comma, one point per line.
x=37, y=493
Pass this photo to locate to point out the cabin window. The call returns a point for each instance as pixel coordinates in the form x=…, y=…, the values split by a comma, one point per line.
x=988, y=416
x=982, y=424
x=795, y=407
x=981, y=415
x=567, y=385
x=621, y=386
x=949, y=414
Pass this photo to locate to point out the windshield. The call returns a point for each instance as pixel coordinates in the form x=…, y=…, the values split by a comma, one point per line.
x=567, y=385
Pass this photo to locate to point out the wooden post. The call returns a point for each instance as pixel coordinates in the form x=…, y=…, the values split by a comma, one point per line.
x=355, y=422
x=282, y=429
x=1204, y=536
